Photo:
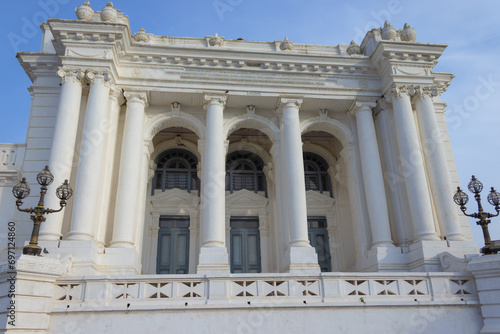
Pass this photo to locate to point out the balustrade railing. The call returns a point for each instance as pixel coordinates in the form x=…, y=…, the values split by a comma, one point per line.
x=176, y=291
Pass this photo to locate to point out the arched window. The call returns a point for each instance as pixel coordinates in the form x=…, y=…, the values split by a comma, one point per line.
x=316, y=173
x=244, y=171
x=176, y=168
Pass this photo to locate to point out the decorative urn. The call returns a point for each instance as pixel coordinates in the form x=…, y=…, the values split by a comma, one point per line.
x=388, y=32
x=408, y=34
x=84, y=12
x=108, y=13
x=353, y=49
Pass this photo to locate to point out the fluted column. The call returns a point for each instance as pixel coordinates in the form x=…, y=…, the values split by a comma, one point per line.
x=373, y=178
x=213, y=252
x=63, y=144
x=88, y=179
x=303, y=257
x=437, y=166
x=412, y=165
x=129, y=179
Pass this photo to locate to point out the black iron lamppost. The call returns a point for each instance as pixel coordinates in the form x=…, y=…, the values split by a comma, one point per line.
x=22, y=190
x=461, y=198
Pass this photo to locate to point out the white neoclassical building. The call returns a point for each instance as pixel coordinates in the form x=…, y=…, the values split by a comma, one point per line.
x=232, y=186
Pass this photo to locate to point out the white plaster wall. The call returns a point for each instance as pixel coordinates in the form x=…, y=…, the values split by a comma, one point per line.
x=292, y=319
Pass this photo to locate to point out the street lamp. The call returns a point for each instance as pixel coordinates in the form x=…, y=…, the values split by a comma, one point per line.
x=22, y=190
x=461, y=198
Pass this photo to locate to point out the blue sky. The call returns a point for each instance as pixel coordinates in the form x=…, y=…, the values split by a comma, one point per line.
x=471, y=30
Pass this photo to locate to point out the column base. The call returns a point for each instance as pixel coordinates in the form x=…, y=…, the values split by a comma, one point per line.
x=424, y=255
x=213, y=261
x=486, y=270
x=383, y=258
x=92, y=258
x=303, y=261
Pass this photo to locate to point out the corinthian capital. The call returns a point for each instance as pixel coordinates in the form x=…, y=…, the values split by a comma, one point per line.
x=398, y=91
x=289, y=102
x=136, y=96
x=219, y=100
x=425, y=92
x=71, y=75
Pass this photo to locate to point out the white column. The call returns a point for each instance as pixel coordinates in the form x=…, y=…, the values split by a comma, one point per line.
x=294, y=174
x=213, y=252
x=437, y=166
x=145, y=181
x=396, y=191
x=111, y=166
x=88, y=179
x=413, y=166
x=129, y=180
x=373, y=178
x=303, y=257
x=63, y=144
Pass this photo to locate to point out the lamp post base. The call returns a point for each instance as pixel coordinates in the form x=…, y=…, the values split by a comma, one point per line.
x=32, y=250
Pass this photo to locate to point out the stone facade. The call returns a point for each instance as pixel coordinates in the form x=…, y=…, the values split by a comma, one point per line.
x=271, y=177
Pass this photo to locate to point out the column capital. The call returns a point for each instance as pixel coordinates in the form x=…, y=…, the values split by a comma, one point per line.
x=114, y=92
x=289, y=102
x=425, y=91
x=216, y=99
x=362, y=106
x=94, y=75
x=397, y=91
x=382, y=104
x=136, y=96
x=73, y=75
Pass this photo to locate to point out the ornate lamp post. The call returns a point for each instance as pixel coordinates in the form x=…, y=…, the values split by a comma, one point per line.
x=22, y=190
x=461, y=198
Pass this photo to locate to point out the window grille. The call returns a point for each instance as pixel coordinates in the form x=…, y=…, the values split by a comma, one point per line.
x=316, y=173
x=244, y=171
x=176, y=168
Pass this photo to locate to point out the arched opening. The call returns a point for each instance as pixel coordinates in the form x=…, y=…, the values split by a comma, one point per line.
x=171, y=228
x=249, y=198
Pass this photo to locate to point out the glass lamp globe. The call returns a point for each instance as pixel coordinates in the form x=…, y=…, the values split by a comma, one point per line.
x=64, y=191
x=494, y=197
x=45, y=177
x=21, y=190
x=460, y=197
x=475, y=186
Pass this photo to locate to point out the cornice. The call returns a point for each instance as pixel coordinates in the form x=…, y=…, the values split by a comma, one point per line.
x=38, y=64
